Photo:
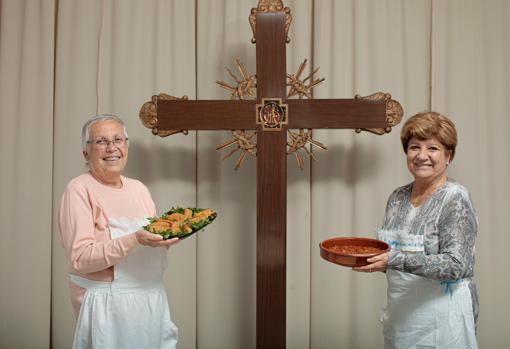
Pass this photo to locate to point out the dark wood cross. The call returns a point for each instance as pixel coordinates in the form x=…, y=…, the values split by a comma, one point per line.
x=271, y=78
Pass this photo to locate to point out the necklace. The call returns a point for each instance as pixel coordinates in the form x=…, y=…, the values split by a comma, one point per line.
x=418, y=199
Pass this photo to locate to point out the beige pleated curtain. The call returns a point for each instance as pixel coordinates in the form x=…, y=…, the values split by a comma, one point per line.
x=62, y=61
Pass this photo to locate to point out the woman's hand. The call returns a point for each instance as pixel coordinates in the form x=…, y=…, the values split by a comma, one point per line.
x=154, y=240
x=377, y=263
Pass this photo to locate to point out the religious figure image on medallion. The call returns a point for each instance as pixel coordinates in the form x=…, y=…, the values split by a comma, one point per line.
x=271, y=114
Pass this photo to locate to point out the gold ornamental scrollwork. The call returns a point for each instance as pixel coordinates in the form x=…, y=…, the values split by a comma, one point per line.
x=274, y=6
x=394, y=112
x=149, y=114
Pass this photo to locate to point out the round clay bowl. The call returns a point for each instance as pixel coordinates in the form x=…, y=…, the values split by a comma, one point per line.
x=331, y=250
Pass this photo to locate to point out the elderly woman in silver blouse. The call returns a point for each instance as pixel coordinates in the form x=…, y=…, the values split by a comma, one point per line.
x=431, y=226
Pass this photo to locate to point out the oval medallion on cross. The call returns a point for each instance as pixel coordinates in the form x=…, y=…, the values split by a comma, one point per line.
x=271, y=114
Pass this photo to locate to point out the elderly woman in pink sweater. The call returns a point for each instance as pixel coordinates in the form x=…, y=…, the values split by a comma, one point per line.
x=116, y=267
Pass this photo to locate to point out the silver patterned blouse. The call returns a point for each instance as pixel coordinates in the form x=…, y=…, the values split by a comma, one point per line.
x=445, y=225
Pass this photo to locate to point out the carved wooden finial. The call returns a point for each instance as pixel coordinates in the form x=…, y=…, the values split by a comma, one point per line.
x=149, y=115
x=270, y=6
x=394, y=112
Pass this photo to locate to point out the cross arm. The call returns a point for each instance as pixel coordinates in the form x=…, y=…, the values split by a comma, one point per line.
x=206, y=115
x=336, y=113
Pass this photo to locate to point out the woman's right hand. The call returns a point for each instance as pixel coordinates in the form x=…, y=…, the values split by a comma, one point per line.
x=153, y=240
x=377, y=263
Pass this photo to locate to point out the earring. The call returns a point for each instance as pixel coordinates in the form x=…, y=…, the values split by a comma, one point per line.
x=447, y=163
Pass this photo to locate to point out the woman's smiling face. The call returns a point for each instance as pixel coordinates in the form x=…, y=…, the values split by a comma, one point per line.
x=427, y=159
x=107, y=151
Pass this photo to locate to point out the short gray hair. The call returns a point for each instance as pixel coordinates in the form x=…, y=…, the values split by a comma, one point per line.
x=85, y=132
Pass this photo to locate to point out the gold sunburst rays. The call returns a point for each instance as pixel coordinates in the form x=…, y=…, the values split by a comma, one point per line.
x=243, y=142
x=298, y=142
x=244, y=85
x=299, y=87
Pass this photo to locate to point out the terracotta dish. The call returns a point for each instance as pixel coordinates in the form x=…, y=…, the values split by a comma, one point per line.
x=351, y=251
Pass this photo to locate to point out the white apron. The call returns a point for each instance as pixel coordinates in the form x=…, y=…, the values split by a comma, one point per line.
x=425, y=313
x=131, y=311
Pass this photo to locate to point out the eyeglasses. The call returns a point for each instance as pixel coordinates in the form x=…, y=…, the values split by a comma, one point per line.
x=104, y=143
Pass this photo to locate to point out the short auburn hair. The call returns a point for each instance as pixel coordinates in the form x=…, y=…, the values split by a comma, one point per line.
x=427, y=125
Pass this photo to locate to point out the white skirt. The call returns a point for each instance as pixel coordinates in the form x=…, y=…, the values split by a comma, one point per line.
x=422, y=314
x=123, y=316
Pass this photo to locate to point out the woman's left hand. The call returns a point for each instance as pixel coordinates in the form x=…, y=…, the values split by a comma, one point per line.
x=377, y=263
x=154, y=240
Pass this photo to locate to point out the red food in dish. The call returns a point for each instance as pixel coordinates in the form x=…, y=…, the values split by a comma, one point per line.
x=353, y=249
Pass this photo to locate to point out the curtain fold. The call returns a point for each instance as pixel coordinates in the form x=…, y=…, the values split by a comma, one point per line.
x=362, y=47
x=112, y=57
x=471, y=51
x=299, y=220
x=226, y=250
x=26, y=155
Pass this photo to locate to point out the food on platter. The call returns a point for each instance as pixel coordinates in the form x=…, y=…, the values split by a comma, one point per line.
x=181, y=222
x=351, y=251
x=354, y=250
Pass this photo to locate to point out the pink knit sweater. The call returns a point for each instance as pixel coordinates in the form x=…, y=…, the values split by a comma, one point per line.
x=83, y=215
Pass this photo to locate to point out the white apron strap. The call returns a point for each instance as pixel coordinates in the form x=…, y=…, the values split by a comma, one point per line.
x=89, y=284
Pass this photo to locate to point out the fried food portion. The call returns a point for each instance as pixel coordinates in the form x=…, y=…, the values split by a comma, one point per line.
x=175, y=223
x=202, y=215
x=176, y=217
x=158, y=226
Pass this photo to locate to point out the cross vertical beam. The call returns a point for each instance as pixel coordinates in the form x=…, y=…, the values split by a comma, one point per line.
x=271, y=187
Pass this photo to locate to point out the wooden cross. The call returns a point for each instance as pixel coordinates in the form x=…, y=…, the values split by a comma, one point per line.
x=271, y=77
